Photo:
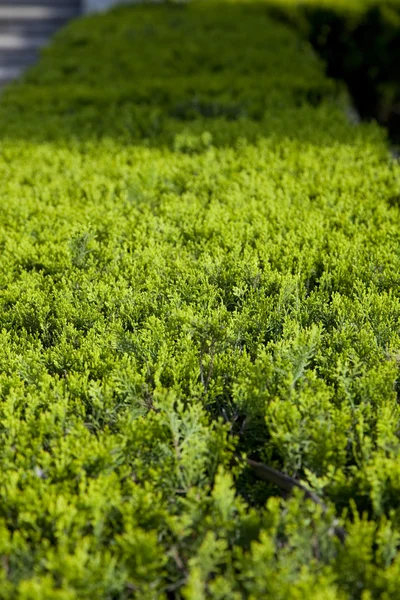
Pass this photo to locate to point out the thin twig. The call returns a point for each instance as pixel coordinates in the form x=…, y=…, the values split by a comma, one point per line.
x=206, y=380
x=287, y=483
x=211, y=367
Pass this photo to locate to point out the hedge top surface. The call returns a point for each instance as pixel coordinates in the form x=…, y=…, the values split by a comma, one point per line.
x=200, y=259
x=162, y=64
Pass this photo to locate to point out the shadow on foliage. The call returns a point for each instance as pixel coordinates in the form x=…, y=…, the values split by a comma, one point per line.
x=360, y=48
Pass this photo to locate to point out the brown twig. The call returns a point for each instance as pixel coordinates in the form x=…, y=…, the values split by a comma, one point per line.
x=206, y=380
x=287, y=483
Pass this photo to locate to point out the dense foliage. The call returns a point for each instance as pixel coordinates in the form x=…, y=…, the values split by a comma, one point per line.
x=200, y=260
x=360, y=42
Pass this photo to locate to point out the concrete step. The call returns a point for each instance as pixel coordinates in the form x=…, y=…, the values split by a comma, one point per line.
x=72, y=4
x=20, y=51
x=18, y=59
x=25, y=27
x=21, y=42
x=31, y=28
x=37, y=12
x=8, y=74
x=44, y=20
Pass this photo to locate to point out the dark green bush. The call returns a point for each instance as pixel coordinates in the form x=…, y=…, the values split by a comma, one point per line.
x=360, y=43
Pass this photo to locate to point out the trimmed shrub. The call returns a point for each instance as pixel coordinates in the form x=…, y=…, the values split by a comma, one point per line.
x=200, y=261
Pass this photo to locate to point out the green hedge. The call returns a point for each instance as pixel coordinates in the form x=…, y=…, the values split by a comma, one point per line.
x=200, y=261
